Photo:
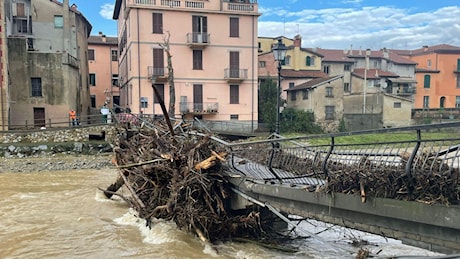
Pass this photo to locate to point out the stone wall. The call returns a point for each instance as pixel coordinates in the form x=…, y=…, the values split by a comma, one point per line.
x=51, y=141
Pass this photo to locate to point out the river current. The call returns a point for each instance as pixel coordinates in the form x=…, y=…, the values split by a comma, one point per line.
x=63, y=214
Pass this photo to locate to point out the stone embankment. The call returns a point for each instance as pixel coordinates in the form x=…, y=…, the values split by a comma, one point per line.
x=56, y=149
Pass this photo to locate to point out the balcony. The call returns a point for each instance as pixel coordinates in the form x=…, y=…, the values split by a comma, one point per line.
x=157, y=75
x=406, y=91
x=234, y=6
x=205, y=108
x=235, y=75
x=240, y=5
x=198, y=40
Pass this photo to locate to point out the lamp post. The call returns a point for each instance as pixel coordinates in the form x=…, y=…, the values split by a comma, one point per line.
x=279, y=52
x=368, y=53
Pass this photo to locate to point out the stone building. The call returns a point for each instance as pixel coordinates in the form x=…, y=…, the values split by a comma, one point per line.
x=47, y=62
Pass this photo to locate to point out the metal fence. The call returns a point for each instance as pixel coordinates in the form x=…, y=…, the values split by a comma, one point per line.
x=299, y=161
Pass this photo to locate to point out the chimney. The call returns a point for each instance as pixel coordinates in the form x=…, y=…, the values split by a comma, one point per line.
x=297, y=41
x=425, y=47
x=385, y=53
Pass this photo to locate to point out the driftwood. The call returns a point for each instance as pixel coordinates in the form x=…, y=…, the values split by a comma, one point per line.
x=180, y=178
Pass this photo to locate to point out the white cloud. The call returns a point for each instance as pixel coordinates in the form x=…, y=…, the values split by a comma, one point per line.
x=107, y=11
x=369, y=27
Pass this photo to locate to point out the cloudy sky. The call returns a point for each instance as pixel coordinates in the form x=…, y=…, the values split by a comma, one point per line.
x=396, y=24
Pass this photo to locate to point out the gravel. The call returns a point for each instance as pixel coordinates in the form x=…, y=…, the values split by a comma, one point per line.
x=56, y=163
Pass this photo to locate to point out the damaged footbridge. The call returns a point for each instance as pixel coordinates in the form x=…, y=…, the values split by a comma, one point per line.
x=407, y=190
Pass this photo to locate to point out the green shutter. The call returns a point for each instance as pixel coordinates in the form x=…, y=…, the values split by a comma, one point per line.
x=426, y=81
x=458, y=65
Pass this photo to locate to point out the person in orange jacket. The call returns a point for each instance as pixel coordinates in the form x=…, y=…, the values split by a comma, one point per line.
x=73, y=117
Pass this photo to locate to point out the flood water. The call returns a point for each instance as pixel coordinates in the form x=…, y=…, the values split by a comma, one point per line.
x=63, y=214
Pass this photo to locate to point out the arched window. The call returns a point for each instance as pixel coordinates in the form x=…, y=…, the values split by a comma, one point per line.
x=442, y=101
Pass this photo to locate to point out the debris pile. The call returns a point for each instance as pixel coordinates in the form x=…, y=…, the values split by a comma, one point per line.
x=179, y=177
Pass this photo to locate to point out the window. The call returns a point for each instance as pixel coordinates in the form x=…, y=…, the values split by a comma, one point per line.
x=457, y=102
x=426, y=81
x=22, y=26
x=93, y=101
x=310, y=61
x=161, y=91
x=234, y=94
x=458, y=80
x=397, y=104
x=200, y=29
x=330, y=112
x=144, y=102
x=293, y=95
x=115, y=80
x=326, y=69
x=286, y=61
x=197, y=59
x=426, y=102
x=442, y=101
x=36, y=87
x=158, y=62
x=90, y=54
x=346, y=87
x=92, y=79
x=157, y=23
x=58, y=21
x=305, y=94
x=114, y=55
x=233, y=117
x=261, y=64
x=234, y=60
x=291, y=84
x=428, y=63
x=234, y=27
x=329, y=92
x=346, y=67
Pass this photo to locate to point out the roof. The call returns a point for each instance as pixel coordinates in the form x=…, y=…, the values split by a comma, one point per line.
x=99, y=40
x=333, y=55
x=314, y=83
x=374, y=73
x=440, y=48
x=425, y=70
x=302, y=73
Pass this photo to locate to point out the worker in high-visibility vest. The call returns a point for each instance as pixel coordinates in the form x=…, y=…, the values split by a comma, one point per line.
x=73, y=117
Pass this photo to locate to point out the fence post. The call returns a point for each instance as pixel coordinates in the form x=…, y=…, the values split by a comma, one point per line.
x=327, y=156
x=412, y=156
x=275, y=147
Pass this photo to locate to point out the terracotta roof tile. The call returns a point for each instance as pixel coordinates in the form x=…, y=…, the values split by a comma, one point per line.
x=374, y=73
x=313, y=83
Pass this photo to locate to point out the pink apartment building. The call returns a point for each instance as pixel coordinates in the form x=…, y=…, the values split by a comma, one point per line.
x=103, y=71
x=214, y=56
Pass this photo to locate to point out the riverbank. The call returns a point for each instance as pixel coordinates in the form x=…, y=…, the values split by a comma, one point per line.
x=56, y=162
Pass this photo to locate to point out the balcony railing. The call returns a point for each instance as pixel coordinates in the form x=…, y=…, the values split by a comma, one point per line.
x=240, y=5
x=157, y=74
x=235, y=75
x=198, y=40
x=199, y=108
x=227, y=5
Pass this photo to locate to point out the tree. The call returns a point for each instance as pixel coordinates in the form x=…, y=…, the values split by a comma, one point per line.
x=172, y=89
x=267, y=103
x=299, y=121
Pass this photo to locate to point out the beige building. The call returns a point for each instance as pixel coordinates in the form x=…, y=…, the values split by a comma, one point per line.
x=213, y=45
x=103, y=71
x=47, y=62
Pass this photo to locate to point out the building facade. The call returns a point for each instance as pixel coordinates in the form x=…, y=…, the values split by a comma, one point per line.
x=212, y=47
x=103, y=71
x=4, y=104
x=438, y=76
x=47, y=62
